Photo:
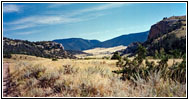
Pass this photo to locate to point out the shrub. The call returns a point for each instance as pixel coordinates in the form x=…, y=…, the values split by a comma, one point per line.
x=116, y=56
x=68, y=69
x=48, y=79
x=54, y=59
x=60, y=86
x=7, y=55
x=35, y=92
x=155, y=86
x=141, y=53
x=178, y=72
x=176, y=53
x=131, y=68
x=105, y=57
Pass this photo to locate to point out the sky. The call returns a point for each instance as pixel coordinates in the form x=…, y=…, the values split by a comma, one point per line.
x=101, y=21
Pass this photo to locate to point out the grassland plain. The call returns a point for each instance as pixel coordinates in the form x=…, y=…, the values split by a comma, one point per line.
x=40, y=77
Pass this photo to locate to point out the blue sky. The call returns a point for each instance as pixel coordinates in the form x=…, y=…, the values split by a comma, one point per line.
x=102, y=21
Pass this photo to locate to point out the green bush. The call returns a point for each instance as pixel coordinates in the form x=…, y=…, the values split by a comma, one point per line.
x=7, y=55
x=116, y=56
x=105, y=57
x=141, y=53
x=131, y=68
x=54, y=59
x=178, y=72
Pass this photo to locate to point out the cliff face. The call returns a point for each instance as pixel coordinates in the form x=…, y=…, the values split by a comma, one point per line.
x=169, y=34
x=47, y=49
x=165, y=26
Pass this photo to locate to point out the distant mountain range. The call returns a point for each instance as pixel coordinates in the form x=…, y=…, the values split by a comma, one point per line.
x=77, y=44
x=80, y=44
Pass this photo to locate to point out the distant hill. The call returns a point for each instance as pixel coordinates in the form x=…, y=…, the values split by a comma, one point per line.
x=80, y=44
x=77, y=44
x=124, y=40
x=46, y=49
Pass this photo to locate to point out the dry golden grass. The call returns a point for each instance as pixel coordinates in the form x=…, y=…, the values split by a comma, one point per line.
x=97, y=51
x=101, y=52
x=41, y=77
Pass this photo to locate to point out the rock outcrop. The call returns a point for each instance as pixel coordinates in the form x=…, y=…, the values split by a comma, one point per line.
x=169, y=34
x=165, y=26
x=46, y=49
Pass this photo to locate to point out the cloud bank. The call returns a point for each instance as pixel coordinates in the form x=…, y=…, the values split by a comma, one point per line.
x=9, y=8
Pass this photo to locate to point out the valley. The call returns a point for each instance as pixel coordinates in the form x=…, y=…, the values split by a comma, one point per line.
x=148, y=63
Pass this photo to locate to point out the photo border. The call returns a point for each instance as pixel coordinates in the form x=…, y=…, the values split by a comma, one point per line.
x=92, y=97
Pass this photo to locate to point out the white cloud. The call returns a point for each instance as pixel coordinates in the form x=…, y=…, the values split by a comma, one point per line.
x=56, y=5
x=17, y=27
x=34, y=21
x=103, y=7
x=40, y=20
x=26, y=32
x=96, y=8
x=9, y=8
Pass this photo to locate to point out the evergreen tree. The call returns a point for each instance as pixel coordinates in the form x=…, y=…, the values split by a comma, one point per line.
x=141, y=53
x=116, y=56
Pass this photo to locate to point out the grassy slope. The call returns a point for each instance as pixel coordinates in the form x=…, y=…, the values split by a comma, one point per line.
x=101, y=52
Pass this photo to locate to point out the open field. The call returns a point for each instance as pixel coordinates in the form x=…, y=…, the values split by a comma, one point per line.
x=101, y=52
x=97, y=51
x=38, y=77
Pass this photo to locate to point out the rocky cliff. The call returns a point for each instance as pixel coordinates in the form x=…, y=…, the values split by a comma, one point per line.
x=169, y=34
x=47, y=49
x=165, y=26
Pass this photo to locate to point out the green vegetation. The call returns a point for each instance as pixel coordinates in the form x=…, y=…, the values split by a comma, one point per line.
x=106, y=57
x=7, y=55
x=171, y=45
x=175, y=54
x=54, y=59
x=141, y=53
x=46, y=49
x=178, y=71
x=116, y=56
x=132, y=68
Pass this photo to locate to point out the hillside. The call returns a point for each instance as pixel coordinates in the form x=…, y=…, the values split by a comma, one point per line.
x=168, y=34
x=80, y=44
x=77, y=44
x=46, y=49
